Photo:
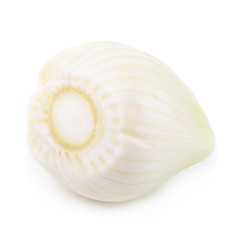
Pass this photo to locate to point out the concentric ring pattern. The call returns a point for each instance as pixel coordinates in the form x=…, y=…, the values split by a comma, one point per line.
x=149, y=124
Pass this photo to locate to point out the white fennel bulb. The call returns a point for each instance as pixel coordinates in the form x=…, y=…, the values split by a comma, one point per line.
x=112, y=122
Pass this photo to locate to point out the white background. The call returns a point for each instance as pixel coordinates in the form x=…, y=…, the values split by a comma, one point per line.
x=200, y=41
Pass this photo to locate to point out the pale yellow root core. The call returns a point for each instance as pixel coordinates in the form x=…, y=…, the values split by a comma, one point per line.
x=81, y=96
